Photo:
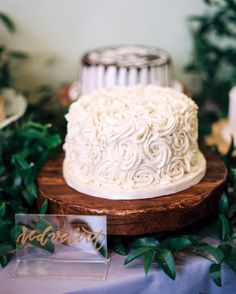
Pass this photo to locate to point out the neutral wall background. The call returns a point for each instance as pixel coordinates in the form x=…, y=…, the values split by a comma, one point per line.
x=57, y=32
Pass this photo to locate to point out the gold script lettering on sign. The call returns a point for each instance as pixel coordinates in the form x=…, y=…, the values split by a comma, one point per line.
x=78, y=235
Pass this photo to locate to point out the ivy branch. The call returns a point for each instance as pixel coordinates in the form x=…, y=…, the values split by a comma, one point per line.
x=164, y=254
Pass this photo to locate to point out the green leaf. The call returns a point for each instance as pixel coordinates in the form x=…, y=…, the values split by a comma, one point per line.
x=118, y=246
x=36, y=125
x=231, y=261
x=165, y=260
x=215, y=229
x=165, y=244
x=136, y=253
x=213, y=251
x=15, y=232
x=49, y=246
x=2, y=209
x=29, y=175
x=215, y=273
x=6, y=248
x=176, y=244
x=233, y=236
x=145, y=242
x=44, y=207
x=53, y=141
x=223, y=206
x=16, y=206
x=2, y=170
x=101, y=249
x=5, y=227
x=3, y=260
x=226, y=249
x=232, y=207
x=225, y=226
x=29, y=198
x=9, y=24
x=195, y=240
x=17, y=229
x=31, y=133
x=148, y=258
x=19, y=160
x=41, y=224
x=32, y=189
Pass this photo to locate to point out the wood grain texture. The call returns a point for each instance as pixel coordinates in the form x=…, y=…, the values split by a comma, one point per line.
x=134, y=217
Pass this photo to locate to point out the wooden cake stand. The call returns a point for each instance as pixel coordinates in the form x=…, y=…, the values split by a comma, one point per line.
x=134, y=217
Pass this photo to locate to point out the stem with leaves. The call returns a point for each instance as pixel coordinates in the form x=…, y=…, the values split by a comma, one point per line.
x=165, y=253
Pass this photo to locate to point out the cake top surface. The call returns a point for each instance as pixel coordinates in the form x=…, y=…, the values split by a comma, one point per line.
x=127, y=56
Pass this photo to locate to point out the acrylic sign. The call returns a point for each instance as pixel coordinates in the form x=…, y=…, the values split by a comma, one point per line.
x=74, y=245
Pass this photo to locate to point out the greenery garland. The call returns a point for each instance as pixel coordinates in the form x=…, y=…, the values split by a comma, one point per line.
x=23, y=150
x=214, y=51
x=213, y=59
x=165, y=253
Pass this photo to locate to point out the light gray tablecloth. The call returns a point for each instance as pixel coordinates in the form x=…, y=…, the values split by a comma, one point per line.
x=192, y=277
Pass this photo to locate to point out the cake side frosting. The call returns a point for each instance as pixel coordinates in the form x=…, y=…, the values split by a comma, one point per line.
x=132, y=139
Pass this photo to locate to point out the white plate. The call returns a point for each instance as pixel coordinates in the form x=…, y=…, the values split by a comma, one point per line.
x=15, y=105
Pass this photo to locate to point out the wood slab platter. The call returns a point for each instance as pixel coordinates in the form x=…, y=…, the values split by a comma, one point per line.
x=134, y=217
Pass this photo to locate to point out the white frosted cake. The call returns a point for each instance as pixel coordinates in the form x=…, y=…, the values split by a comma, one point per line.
x=132, y=143
x=125, y=66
